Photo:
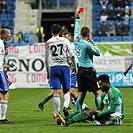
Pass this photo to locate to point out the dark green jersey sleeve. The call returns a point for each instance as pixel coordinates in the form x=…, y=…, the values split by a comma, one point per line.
x=113, y=101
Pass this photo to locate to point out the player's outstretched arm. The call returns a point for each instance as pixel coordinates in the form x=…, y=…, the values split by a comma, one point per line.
x=125, y=73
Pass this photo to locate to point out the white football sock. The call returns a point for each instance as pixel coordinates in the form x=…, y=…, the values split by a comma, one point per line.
x=4, y=108
x=56, y=102
x=66, y=100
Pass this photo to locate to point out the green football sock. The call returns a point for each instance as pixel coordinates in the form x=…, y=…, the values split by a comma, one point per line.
x=46, y=99
x=79, y=103
x=97, y=101
x=79, y=117
x=71, y=115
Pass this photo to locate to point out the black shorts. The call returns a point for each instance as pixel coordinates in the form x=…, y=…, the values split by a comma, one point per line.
x=87, y=79
x=3, y=92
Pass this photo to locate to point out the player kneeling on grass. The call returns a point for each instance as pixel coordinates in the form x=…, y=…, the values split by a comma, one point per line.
x=114, y=115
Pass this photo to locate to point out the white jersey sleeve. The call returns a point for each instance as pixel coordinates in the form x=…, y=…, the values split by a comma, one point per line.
x=69, y=59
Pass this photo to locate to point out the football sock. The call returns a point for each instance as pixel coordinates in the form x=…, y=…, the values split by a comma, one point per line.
x=66, y=100
x=79, y=103
x=56, y=102
x=97, y=101
x=46, y=99
x=71, y=115
x=78, y=117
x=4, y=108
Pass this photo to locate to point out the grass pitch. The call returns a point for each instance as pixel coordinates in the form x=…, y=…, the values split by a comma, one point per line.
x=22, y=109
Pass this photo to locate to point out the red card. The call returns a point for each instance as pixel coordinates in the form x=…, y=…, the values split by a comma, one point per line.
x=81, y=9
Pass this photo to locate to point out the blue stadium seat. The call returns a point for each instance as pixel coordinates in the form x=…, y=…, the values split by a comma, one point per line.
x=104, y=39
x=64, y=2
x=95, y=30
x=96, y=2
x=96, y=39
x=132, y=27
x=126, y=38
x=3, y=16
x=97, y=7
x=11, y=16
x=11, y=23
x=3, y=22
x=72, y=2
x=96, y=24
x=118, y=38
x=132, y=38
x=96, y=17
x=11, y=7
x=112, y=39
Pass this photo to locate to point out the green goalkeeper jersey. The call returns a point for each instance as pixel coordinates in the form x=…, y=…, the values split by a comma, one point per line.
x=115, y=101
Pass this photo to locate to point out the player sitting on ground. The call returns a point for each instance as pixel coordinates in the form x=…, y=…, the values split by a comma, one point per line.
x=114, y=115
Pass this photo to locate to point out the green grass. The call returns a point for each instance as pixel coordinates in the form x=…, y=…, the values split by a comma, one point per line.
x=22, y=109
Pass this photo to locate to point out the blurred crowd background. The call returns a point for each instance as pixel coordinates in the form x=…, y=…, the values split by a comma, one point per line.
x=30, y=20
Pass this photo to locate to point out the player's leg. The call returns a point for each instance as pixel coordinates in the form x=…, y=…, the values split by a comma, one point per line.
x=56, y=100
x=45, y=100
x=97, y=97
x=79, y=117
x=97, y=101
x=65, y=81
x=4, y=96
x=79, y=103
x=55, y=86
x=84, y=115
x=74, y=95
x=93, y=85
x=56, y=103
x=81, y=93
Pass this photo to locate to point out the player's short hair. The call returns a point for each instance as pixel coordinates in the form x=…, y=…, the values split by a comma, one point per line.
x=85, y=31
x=4, y=29
x=103, y=78
x=55, y=28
